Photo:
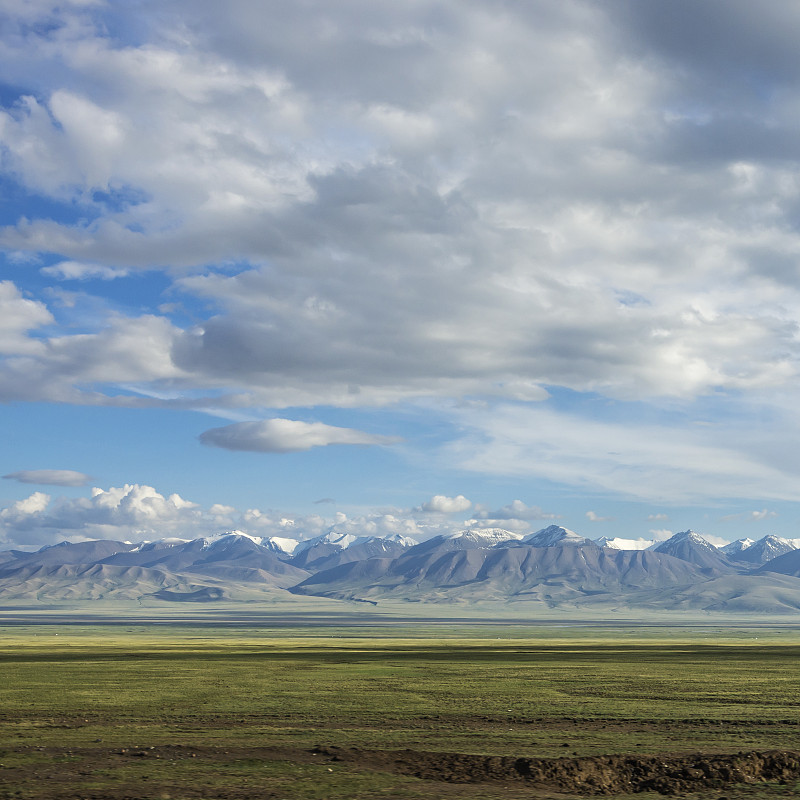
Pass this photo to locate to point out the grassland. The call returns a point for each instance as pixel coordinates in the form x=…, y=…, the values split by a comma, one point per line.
x=167, y=711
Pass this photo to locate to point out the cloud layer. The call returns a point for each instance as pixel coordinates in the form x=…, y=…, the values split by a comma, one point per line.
x=135, y=512
x=359, y=205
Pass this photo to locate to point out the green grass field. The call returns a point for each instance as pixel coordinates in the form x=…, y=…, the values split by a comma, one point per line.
x=197, y=712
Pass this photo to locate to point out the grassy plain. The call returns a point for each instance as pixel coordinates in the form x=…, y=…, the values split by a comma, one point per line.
x=196, y=711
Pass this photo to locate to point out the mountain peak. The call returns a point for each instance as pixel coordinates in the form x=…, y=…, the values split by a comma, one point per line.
x=555, y=536
x=688, y=537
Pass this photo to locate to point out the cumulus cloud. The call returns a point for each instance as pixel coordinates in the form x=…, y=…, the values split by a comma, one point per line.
x=130, y=512
x=136, y=512
x=441, y=504
x=50, y=477
x=286, y=436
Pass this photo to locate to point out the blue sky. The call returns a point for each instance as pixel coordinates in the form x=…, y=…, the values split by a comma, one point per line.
x=398, y=267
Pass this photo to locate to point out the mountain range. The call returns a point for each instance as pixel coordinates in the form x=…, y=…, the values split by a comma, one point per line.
x=555, y=567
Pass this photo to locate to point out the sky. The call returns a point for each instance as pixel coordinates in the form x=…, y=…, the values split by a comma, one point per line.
x=399, y=267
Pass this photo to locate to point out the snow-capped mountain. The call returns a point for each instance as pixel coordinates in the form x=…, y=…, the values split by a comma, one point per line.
x=555, y=536
x=328, y=549
x=334, y=538
x=692, y=547
x=475, y=564
x=467, y=539
x=764, y=550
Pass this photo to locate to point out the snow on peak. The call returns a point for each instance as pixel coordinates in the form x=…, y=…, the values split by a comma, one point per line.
x=398, y=538
x=617, y=543
x=483, y=537
x=227, y=537
x=684, y=537
x=555, y=536
x=772, y=546
x=738, y=546
x=280, y=544
x=344, y=540
x=158, y=544
x=331, y=537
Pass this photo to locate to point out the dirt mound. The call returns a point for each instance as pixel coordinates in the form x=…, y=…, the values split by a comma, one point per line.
x=598, y=775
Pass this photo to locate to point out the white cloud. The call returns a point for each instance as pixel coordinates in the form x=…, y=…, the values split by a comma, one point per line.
x=440, y=503
x=136, y=512
x=592, y=517
x=658, y=517
x=661, y=534
x=18, y=315
x=128, y=512
x=752, y=516
x=515, y=525
x=50, y=477
x=286, y=436
x=73, y=270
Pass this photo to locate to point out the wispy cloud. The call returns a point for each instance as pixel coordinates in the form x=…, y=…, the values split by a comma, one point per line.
x=752, y=516
x=651, y=462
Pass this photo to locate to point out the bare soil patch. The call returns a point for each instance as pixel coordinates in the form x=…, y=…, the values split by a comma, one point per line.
x=596, y=775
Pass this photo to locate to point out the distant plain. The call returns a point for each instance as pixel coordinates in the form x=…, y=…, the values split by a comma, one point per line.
x=306, y=703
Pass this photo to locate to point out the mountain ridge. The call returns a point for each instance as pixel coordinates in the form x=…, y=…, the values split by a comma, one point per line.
x=555, y=567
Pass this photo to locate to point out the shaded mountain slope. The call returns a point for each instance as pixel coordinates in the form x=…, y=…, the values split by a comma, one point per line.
x=787, y=564
x=549, y=573
x=693, y=548
x=88, y=552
